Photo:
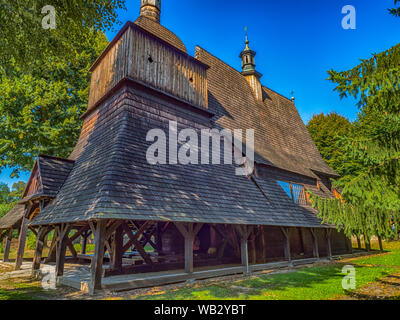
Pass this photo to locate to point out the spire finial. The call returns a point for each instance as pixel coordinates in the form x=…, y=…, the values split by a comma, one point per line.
x=247, y=38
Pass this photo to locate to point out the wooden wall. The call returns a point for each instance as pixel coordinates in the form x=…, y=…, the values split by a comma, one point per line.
x=141, y=56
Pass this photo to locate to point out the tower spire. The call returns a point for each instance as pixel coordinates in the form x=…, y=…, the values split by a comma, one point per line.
x=248, y=58
x=249, y=68
x=151, y=9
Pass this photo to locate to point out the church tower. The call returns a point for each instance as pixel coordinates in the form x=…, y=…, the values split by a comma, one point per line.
x=151, y=9
x=249, y=70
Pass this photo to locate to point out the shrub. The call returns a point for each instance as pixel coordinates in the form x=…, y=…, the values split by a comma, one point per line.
x=4, y=208
x=31, y=241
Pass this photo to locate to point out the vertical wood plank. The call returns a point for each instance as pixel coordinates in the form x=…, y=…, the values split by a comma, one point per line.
x=22, y=239
x=42, y=232
x=117, y=249
x=244, y=254
x=7, y=245
x=97, y=261
x=315, y=243
x=286, y=233
x=62, y=248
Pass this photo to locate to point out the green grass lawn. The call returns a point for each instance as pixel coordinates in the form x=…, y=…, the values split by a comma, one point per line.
x=310, y=283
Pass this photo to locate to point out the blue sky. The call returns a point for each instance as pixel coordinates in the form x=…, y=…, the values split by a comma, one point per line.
x=296, y=42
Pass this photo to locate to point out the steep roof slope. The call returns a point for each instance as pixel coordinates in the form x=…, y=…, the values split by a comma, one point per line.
x=161, y=32
x=281, y=138
x=112, y=179
x=53, y=172
x=47, y=177
x=13, y=218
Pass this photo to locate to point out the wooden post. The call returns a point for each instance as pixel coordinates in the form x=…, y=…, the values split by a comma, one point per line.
x=252, y=248
x=189, y=232
x=315, y=243
x=328, y=233
x=286, y=233
x=244, y=232
x=263, y=247
x=62, y=248
x=53, y=247
x=244, y=253
x=84, y=241
x=117, y=249
x=97, y=261
x=189, y=252
x=7, y=245
x=300, y=231
x=42, y=232
x=22, y=238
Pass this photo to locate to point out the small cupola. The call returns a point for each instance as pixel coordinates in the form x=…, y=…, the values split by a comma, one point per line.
x=249, y=69
x=151, y=9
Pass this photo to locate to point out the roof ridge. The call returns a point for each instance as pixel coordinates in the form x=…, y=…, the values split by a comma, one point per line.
x=228, y=65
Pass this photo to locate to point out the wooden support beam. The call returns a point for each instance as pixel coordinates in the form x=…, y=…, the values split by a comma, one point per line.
x=7, y=245
x=286, y=233
x=189, y=232
x=33, y=230
x=53, y=247
x=134, y=239
x=64, y=230
x=189, y=239
x=262, y=244
x=230, y=235
x=117, y=248
x=111, y=229
x=97, y=261
x=328, y=233
x=42, y=232
x=315, y=243
x=84, y=242
x=22, y=238
x=244, y=232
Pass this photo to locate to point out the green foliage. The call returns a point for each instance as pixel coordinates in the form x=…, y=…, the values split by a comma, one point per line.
x=326, y=131
x=395, y=11
x=28, y=45
x=17, y=190
x=40, y=110
x=370, y=190
x=4, y=208
x=31, y=241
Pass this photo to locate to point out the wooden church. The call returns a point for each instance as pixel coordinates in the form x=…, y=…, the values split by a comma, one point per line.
x=193, y=218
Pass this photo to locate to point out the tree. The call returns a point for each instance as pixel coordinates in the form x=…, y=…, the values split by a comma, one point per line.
x=17, y=190
x=370, y=197
x=44, y=77
x=4, y=193
x=395, y=11
x=26, y=41
x=370, y=193
x=326, y=131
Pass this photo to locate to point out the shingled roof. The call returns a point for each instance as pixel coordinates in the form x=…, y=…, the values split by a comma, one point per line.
x=49, y=175
x=281, y=138
x=13, y=218
x=161, y=32
x=112, y=179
